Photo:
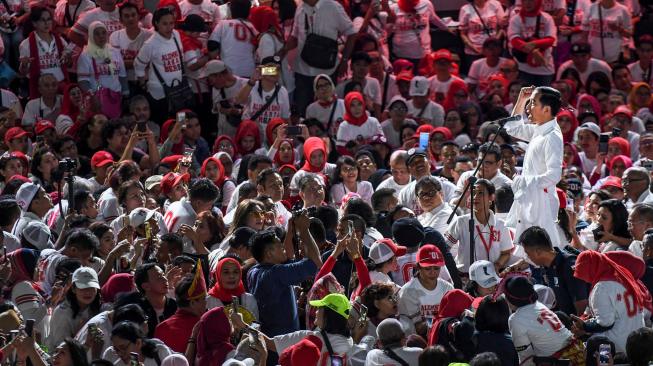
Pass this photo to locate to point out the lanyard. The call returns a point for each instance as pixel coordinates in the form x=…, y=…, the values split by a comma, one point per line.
x=485, y=243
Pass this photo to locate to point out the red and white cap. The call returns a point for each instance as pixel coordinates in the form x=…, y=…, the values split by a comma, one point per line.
x=430, y=256
x=171, y=180
x=384, y=249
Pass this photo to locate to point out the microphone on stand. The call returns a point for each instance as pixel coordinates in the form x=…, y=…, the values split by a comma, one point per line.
x=502, y=121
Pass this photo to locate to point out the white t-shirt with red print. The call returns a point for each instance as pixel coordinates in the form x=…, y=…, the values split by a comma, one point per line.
x=480, y=70
x=236, y=38
x=362, y=134
x=412, y=30
x=74, y=12
x=616, y=16
x=129, y=47
x=416, y=302
x=581, y=10
x=106, y=74
x=163, y=54
x=547, y=5
x=279, y=108
x=492, y=13
x=48, y=57
x=110, y=19
x=209, y=11
x=439, y=88
x=524, y=27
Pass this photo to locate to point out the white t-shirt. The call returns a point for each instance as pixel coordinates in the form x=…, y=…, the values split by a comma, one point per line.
x=163, y=54
x=640, y=75
x=179, y=213
x=377, y=357
x=108, y=206
x=489, y=240
x=414, y=299
x=363, y=188
x=206, y=9
x=547, y=5
x=129, y=47
x=10, y=100
x=618, y=15
x=436, y=218
x=99, y=72
x=103, y=323
x=593, y=64
x=342, y=346
x=408, y=198
x=36, y=110
x=269, y=45
x=110, y=19
x=371, y=89
x=525, y=28
x=432, y=113
x=279, y=108
x=440, y=88
x=236, y=48
x=49, y=56
x=412, y=37
x=348, y=132
x=477, y=29
x=74, y=12
x=392, y=184
x=322, y=114
x=537, y=331
x=480, y=70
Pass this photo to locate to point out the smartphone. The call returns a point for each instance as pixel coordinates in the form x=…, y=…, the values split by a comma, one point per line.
x=350, y=228
x=234, y=304
x=133, y=359
x=570, y=204
x=616, y=132
x=604, y=354
x=603, y=143
x=269, y=71
x=29, y=327
x=597, y=233
x=181, y=117
x=423, y=140
x=141, y=126
x=293, y=130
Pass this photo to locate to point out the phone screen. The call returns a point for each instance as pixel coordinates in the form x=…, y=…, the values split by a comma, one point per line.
x=603, y=143
x=423, y=140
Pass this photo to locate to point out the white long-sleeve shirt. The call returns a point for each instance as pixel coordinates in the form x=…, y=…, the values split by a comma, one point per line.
x=536, y=202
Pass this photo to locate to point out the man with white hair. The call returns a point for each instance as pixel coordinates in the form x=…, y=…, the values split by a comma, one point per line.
x=399, y=170
x=636, y=182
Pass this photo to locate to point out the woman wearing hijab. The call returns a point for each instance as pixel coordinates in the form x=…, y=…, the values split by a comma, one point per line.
x=457, y=95
x=213, y=169
x=616, y=300
x=639, y=97
x=358, y=127
x=101, y=66
x=22, y=288
x=228, y=283
x=74, y=111
x=326, y=108
x=248, y=138
x=213, y=346
x=451, y=309
x=571, y=157
x=315, y=161
x=587, y=102
x=637, y=267
x=616, y=146
x=568, y=124
x=533, y=51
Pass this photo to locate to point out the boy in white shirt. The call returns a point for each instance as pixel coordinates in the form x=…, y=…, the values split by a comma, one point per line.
x=420, y=108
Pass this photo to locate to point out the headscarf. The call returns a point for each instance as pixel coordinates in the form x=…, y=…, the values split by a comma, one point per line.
x=178, y=147
x=67, y=106
x=455, y=86
x=219, y=139
x=632, y=95
x=594, y=267
x=213, y=344
x=247, y=128
x=264, y=18
x=326, y=285
x=277, y=157
x=312, y=144
x=407, y=6
x=171, y=3
x=23, y=264
x=577, y=162
x=485, y=85
x=95, y=51
x=535, y=12
x=637, y=267
x=623, y=158
x=117, y=284
x=453, y=303
x=274, y=123
x=596, y=106
x=349, y=98
x=624, y=145
x=221, y=175
x=218, y=291
x=569, y=135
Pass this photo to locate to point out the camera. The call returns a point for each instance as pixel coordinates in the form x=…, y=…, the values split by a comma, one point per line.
x=598, y=233
x=68, y=164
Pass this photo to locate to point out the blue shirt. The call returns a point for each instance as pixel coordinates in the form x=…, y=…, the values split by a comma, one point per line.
x=271, y=285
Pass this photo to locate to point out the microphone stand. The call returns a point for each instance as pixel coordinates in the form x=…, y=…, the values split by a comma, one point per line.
x=472, y=181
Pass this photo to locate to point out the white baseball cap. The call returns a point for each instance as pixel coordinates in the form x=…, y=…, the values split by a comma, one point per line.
x=483, y=273
x=37, y=234
x=26, y=194
x=85, y=277
x=545, y=295
x=139, y=215
x=419, y=86
x=384, y=249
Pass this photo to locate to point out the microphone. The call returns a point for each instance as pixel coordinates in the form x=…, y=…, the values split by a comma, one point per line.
x=502, y=121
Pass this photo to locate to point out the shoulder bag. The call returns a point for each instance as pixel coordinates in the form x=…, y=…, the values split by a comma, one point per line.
x=598, y=5
x=319, y=51
x=109, y=100
x=178, y=93
x=265, y=106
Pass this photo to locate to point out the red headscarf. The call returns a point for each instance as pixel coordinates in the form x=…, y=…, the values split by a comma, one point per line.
x=277, y=157
x=593, y=267
x=423, y=129
x=637, y=267
x=216, y=144
x=67, y=106
x=247, y=128
x=407, y=6
x=533, y=13
x=569, y=135
x=596, y=106
x=221, y=178
x=623, y=158
x=274, y=123
x=178, y=147
x=349, y=98
x=455, y=86
x=577, y=162
x=624, y=145
x=311, y=144
x=117, y=284
x=453, y=303
x=218, y=291
x=213, y=344
x=171, y=3
x=265, y=18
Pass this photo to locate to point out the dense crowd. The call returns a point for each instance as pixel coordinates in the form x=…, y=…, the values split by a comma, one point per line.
x=326, y=182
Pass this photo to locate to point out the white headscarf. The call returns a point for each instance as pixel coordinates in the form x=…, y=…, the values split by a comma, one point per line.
x=95, y=51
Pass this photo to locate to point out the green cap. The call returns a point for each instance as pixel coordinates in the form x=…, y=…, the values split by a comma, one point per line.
x=336, y=302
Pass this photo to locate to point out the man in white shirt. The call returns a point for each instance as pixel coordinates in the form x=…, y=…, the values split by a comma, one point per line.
x=482, y=68
x=393, y=346
x=639, y=221
x=536, y=202
x=419, y=166
x=235, y=39
x=130, y=39
x=255, y=165
x=399, y=170
x=636, y=182
x=270, y=183
x=641, y=70
x=440, y=82
x=48, y=106
x=224, y=89
x=583, y=62
x=588, y=139
x=491, y=170
x=420, y=107
x=436, y=212
x=34, y=204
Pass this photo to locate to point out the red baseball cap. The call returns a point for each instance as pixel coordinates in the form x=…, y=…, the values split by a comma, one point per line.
x=14, y=133
x=42, y=126
x=612, y=182
x=171, y=161
x=623, y=109
x=306, y=352
x=101, y=158
x=442, y=54
x=430, y=256
x=171, y=180
x=405, y=75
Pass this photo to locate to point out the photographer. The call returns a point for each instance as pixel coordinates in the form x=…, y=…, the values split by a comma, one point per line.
x=225, y=86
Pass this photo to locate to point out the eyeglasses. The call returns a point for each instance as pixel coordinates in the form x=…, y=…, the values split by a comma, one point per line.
x=429, y=194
